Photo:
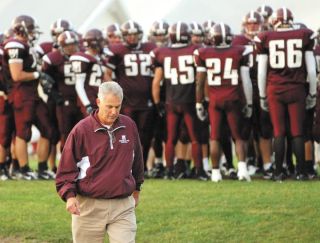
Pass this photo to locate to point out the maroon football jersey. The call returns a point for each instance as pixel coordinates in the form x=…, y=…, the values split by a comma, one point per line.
x=242, y=40
x=18, y=51
x=44, y=48
x=132, y=68
x=2, y=83
x=179, y=72
x=285, y=49
x=93, y=69
x=222, y=66
x=317, y=55
x=58, y=66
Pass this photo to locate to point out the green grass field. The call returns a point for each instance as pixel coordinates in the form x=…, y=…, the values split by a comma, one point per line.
x=177, y=211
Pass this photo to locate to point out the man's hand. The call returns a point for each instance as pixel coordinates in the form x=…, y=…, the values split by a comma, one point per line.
x=247, y=111
x=310, y=101
x=46, y=82
x=160, y=109
x=264, y=104
x=201, y=113
x=135, y=195
x=73, y=206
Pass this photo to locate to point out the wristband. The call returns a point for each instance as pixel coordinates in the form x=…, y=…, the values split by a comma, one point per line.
x=36, y=75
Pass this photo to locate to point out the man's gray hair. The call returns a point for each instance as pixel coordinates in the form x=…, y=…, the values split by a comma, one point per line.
x=110, y=87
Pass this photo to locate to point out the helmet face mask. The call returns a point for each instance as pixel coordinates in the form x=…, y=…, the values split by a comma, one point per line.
x=252, y=23
x=113, y=34
x=206, y=26
x=68, y=42
x=159, y=32
x=25, y=26
x=93, y=39
x=132, y=33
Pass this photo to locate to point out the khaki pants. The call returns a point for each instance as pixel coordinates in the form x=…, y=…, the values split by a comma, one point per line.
x=98, y=216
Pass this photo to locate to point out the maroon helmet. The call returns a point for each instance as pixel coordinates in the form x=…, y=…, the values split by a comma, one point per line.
x=179, y=33
x=132, y=33
x=26, y=26
x=282, y=17
x=220, y=35
x=252, y=23
x=160, y=27
x=196, y=29
x=67, y=39
x=58, y=27
x=265, y=11
x=206, y=26
x=113, y=33
x=93, y=38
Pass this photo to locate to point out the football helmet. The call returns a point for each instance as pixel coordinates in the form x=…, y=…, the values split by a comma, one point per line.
x=265, y=11
x=220, y=35
x=113, y=34
x=283, y=17
x=159, y=32
x=179, y=33
x=68, y=42
x=197, y=34
x=132, y=33
x=252, y=23
x=93, y=39
x=318, y=36
x=26, y=26
x=206, y=26
x=58, y=27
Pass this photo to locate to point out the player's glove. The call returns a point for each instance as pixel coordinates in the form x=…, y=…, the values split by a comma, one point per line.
x=247, y=111
x=201, y=112
x=310, y=101
x=89, y=109
x=264, y=104
x=46, y=82
x=160, y=109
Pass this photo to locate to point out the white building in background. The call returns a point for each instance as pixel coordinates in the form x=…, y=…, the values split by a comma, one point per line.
x=83, y=14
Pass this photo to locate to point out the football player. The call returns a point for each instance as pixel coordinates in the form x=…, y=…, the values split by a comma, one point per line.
x=131, y=63
x=261, y=123
x=90, y=70
x=223, y=64
x=206, y=26
x=6, y=120
x=57, y=64
x=285, y=58
x=20, y=63
x=159, y=33
x=175, y=64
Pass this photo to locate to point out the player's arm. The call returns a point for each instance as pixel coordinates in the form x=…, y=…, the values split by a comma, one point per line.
x=312, y=72
x=262, y=79
x=18, y=75
x=107, y=74
x=158, y=76
x=246, y=83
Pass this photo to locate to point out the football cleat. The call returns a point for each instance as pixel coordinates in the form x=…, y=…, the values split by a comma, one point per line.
x=243, y=173
x=4, y=175
x=216, y=175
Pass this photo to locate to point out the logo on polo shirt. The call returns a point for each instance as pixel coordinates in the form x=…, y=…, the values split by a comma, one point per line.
x=124, y=139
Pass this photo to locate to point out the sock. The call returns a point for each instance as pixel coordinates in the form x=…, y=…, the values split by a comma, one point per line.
x=298, y=148
x=24, y=169
x=2, y=165
x=279, y=149
x=42, y=166
x=267, y=166
x=205, y=162
x=15, y=164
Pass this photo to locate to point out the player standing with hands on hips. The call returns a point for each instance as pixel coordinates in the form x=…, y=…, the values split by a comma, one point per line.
x=101, y=172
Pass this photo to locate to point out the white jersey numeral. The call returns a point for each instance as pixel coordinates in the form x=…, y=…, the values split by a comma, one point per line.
x=95, y=76
x=132, y=67
x=285, y=53
x=216, y=74
x=69, y=77
x=184, y=74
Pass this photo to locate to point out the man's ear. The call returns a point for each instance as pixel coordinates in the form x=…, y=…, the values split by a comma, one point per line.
x=98, y=101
